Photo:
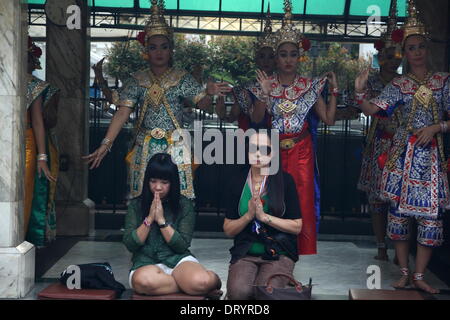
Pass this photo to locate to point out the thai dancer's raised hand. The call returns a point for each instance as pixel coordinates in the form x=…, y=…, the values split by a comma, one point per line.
x=264, y=82
x=361, y=81
x=331, y=76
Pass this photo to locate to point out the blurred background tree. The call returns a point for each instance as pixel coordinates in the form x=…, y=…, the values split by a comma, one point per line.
x=191, y=55
x=343, y=62
x=124, y=58
x=232, y=59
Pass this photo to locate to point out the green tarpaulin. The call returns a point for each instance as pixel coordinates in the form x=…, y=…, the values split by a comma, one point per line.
x=309, y=7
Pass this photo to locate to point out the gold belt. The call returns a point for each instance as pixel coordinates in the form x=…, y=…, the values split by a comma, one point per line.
x=158, y=133
x=288, y=143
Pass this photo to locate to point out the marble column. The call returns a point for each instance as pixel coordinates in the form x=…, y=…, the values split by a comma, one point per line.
x=67, y=68
x=17, y=257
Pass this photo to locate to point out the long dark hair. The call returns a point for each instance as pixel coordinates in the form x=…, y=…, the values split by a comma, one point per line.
x=161, y=166
x=275, y=182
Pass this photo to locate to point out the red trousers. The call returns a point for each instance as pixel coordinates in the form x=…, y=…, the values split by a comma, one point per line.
x=299, y=163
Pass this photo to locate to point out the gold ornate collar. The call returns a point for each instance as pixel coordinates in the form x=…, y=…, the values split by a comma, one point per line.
x=146, y=78
x=418, y=81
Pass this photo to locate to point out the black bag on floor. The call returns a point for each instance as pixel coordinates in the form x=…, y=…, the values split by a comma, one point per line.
x=295, y=292
x=95, y=276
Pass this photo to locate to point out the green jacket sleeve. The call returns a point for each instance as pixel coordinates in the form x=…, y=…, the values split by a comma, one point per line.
x=184, y=228
x=132, y=222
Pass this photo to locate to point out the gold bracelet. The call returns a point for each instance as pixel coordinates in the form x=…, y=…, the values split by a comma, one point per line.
x=107, y=142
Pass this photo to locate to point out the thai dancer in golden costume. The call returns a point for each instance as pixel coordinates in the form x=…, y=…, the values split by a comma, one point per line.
x=414, y=177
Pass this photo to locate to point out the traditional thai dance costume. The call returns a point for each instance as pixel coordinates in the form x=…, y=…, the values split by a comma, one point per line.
x=414, y=177
x=292, y=115
x=39, y=202
x=378, y=142
x=381, y=131
x=160, y=114
x=161, y=101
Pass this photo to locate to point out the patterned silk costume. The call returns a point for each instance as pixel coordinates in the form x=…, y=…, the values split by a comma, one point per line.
x=39, y=202
x=414, y=177
x=378, y=141
x=161, y=102
x=379, y=137
x=245, y=102
x=290, y=108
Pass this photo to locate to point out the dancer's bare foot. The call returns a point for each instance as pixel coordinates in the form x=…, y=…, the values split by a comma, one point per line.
x=404, y=281
x=419, y=283
x=422, y=285
x=382, y=255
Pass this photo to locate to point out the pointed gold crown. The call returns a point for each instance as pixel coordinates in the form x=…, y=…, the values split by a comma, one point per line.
x=156, y=24
x=414, y=25
x=288, y=33
x=266, y=39
x=391, y=26
x=393, y=37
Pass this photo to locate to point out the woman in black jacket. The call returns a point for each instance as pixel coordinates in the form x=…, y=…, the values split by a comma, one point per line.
x=263, y=216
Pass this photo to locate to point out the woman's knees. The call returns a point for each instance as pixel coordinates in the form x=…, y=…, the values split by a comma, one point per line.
x=145, y=281
x=201, y=282
x=189, y=279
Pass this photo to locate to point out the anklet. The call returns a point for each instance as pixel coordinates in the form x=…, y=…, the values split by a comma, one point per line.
x=404, y=271
x=418, y=276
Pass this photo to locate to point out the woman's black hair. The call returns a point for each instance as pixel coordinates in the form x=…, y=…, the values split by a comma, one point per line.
x=275, y=182
x=161, y=166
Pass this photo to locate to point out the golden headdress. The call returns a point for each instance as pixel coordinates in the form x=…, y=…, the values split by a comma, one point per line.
x=289, y=34
x=414, y=25
x=392, y=38
x=266, y=39
x=156, y=24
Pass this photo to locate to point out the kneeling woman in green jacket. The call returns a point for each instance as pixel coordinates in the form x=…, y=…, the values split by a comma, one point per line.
x=158, y=231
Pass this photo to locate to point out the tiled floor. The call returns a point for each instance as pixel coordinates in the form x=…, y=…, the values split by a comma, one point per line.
x=338, y=266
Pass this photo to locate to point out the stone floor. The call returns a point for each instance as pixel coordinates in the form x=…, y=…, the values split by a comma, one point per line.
x=340, y=264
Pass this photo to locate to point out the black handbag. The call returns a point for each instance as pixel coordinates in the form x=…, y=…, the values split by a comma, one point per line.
x=295, y=292
x=96, y=276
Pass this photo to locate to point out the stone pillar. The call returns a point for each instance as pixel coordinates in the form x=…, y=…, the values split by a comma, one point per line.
x=435, y=15
x=17, y=257
x=67, y=67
